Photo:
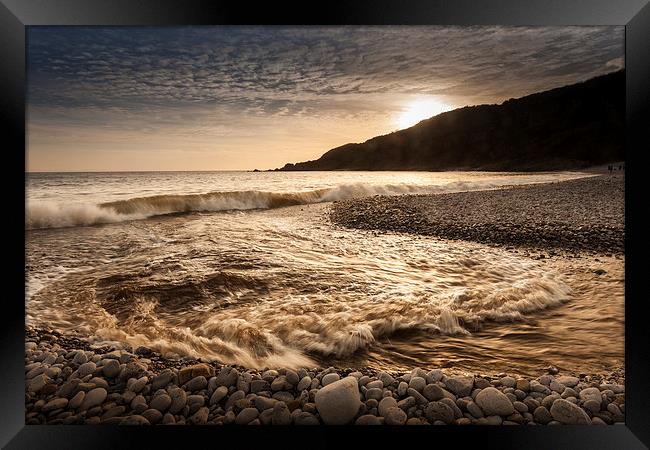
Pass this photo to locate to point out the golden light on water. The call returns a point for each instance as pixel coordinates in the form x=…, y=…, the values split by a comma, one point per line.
x=419, y=110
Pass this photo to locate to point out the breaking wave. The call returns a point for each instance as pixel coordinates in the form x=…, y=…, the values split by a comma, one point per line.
x=57, y=215
x=41, y=214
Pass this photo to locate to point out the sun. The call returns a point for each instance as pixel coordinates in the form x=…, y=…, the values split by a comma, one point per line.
x=419, y=110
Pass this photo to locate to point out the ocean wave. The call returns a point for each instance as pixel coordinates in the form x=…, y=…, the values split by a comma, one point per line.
x=50, y=214
x=57, y=215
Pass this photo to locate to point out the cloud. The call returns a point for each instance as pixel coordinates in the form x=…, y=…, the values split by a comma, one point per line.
x=243, y=66
x=231, y=80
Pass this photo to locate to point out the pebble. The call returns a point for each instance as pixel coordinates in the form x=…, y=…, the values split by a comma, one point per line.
x=153, y=416
x=283, y=396
x=117, y=387
x=592, y=394
x=246, y=416
x=80, y=358
x=417, y=383
x=178, y=400
x=86, y=369
x=449, y=402
x=568, y=413
x=193, y=371
x=292, y=377
x=305, y=418
x=218, y=395
x=200, y=417
x=474, y=410
x=227, y=377
x=161, y=402
x=261, y=385
x=433, y=392
x=134, y=420
x=568, y=381
x=461, y=386
x=93, y=398
x=196, y=384
x=376, y=393
x=75, y=402
x=330, y=378
x=237, y=395
x=508, y=382
x=304, y=383
x=54, y=404
x=281, y=414
x=521, y=407
x=419, y=398
x=394, y=416
x=435, y=411
x=39, y=382
x=338, y=402
x=113, y=412
x=402, y=388
x=162, y=379
x=523, y=385
x=385, y=404
x=136, y=386
x=494, y=402
x=385, y=378
x=368, y=419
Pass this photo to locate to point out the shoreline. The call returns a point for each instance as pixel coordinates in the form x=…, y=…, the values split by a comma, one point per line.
x=70, y=381
x=585, y=215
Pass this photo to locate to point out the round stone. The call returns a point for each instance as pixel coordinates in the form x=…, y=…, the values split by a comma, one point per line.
x=135, y=420
x=196, y=384
x=417, y=383
x=178, y=400
x=433, y=392
x=385, y=404
x=304, y=383
x=461, y=386
x=330, y=378
x=161, y=402
x=438, y=411
x=568, y=413
x=368, y=419
x=395, y=416
x=93, y=398
x=246, y=416
x=57, y=403
x=153, y=416
x=338, y=402
x=494, y=402
x=281, y=414
x=86, y=369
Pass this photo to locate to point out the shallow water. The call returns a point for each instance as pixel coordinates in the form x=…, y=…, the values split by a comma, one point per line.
x=284, y=287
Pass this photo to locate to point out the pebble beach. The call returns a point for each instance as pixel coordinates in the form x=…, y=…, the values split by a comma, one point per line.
x=583, y=215
x=69, y=380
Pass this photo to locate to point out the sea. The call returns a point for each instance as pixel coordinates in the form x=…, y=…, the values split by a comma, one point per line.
x=246, y=268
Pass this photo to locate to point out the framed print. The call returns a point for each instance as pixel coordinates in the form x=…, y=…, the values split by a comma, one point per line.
x=370, y=214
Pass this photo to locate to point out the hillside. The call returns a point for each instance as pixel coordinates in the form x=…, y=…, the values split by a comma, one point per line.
x=573, y=126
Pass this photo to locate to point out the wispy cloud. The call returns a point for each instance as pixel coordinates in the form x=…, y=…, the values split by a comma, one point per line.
x=211, y=81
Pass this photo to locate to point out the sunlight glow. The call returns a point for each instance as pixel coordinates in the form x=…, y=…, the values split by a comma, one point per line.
x=419, y=110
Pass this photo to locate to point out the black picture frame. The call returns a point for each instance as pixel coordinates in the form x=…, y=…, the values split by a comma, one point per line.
x=16, y=15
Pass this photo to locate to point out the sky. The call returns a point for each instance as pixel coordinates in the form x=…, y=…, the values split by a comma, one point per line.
x=240, y=98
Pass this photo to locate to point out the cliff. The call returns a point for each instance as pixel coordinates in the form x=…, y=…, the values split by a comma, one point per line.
x=573, y=126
